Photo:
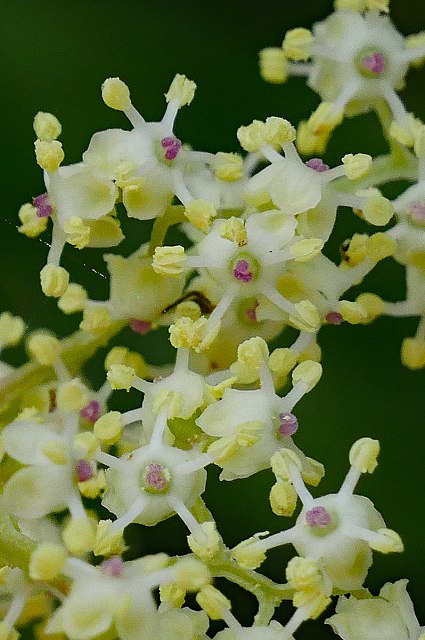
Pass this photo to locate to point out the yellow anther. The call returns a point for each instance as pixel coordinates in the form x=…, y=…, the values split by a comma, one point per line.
x=54, y=280
x=372, y=304
x=282, y=361
x=228, y=166
x=279, y=130
x=380, y=246
x=248, y=433
x=120, y=376
x=312, y=352
x=414, y=41
x=356, y=165
x=314, y=603
x=47, y=561
x=205, y=543
x=31, y=225
x=11, y=329
x=132, y=359
x=364, y=455
x=234, y=230
x=248, y=553
x=378, y=5
x=71, y=396
x=378, y=210
x=283, y=498
x=107, y=543
x=401, y=132
x=188, y=309
x=134, y=195
x=325, y=118
x=297, y=44
x=172, y=594
x=49, y=155
x=354, y=250
x=253, y=352
x=308, y=372
x=109, y=427
x=55, y=451
x=352, y=5
x=85, y=445
x=186, y=333
x=96, y=319
x=169, y=260
x=413, y=353
x=309, y=142
x=200, y=213
x=93, y=487
x=352, y=312
x=224, y=449
x=388, y=542
x=283, y=461
x=116, y=94
x=308, y=318
x=253, y=136
x=306, y=249
x=79, y=535
x=219, y=389
x=181, y=89
x=73, y=299
x=44, y=347
x=191, y=574
x=304, y=574
x=213, y=602
x=46, y=126
x=77, y=232
x=273, y=65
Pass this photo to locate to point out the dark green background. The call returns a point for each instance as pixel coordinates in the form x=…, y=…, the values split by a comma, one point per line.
x=54, y=57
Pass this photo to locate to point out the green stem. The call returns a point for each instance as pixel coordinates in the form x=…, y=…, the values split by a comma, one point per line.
x=174, y=214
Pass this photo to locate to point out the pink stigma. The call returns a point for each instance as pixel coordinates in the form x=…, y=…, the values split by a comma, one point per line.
x=375, y=63
x=113, y=566
x=288, y=424
x=317, y=517
x=172, y=146
x=140, y=326
x=84, y=470
x=242, y=271
x=91, y=412
x=417, y=212
x=317, y=164
x=333, y=317
x=251, y=313
x=155, y=477
x=43, y=206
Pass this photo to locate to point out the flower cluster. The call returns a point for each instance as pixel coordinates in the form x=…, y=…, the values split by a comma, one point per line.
x=253, y=269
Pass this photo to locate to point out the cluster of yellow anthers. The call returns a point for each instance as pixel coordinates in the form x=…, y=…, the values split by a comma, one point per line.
x=257, y=225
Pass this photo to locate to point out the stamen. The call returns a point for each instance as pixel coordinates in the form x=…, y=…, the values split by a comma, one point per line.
x=140, y=326
x=91, y=412
x=43, y=206
x=156, y=478
x=172, y=146
x=317, y=164
x=318, y=517
x=83, y=470
x=288, y=424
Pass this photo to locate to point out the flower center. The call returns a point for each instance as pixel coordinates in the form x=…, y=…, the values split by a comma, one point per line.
x=333, y=317
x=371, y=63
x=113, y=566
x=417, y=213
x=156, y=478
x=171, y=146
x=288, y=424
x=91, y=412
x=318, y=517
x=317, y=164
x=140, y=326
x=244, y=267
x=43, y=206
x=83, y=470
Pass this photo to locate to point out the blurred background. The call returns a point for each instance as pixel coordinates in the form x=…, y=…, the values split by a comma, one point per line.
x=54, y=57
